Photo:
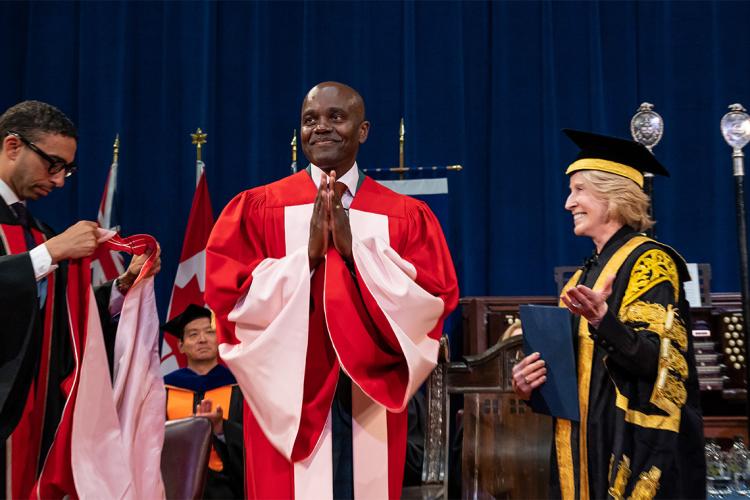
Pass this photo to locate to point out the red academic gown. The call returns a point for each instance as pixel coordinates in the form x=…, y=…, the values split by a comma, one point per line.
x=286, y=334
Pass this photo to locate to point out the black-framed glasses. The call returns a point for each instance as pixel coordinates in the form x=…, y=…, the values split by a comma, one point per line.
x=55, y=164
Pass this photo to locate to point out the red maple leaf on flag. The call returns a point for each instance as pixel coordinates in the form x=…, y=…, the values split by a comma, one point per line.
x=190, y=280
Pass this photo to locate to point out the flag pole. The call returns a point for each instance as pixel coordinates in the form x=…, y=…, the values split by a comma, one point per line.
x=199, y=139
x=401, y=169
x=116, y=149
x=294, y=151
x=111, y=182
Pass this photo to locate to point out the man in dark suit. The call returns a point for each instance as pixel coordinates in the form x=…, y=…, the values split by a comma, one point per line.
x=37, y=148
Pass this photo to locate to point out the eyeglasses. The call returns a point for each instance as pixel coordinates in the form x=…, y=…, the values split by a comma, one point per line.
x=55, y=164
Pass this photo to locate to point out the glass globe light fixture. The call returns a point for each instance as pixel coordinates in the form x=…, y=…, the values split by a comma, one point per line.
x=735, y=127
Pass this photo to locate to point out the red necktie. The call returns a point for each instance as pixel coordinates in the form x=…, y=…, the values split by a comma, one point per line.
x=340, y=188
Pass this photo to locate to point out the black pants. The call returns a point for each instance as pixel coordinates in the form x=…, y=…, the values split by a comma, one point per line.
x=341, y=424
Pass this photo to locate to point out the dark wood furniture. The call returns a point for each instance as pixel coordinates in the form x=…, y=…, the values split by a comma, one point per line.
x=436, y=435
x=505, y=446
x=486, y=318
x=725, y=429
x=184, y=457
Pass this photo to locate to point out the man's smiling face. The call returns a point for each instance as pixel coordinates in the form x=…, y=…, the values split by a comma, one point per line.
x=332, y=126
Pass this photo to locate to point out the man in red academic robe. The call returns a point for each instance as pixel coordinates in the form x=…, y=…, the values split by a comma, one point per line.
x=330, y=293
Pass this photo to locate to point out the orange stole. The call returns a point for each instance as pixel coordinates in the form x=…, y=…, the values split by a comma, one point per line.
x=180, y=405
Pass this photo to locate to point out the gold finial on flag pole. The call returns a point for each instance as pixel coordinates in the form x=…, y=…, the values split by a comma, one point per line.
x=116, y=149
x=199, y=139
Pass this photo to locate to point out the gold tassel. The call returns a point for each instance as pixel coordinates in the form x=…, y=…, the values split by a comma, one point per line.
x=647, y=485
x=621, y=481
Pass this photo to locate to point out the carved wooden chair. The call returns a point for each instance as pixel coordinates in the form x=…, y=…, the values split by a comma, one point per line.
x=437, y=435
x=506, y=447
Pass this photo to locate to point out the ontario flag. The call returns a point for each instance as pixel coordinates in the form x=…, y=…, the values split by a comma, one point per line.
x=107, y=264
x=190, y=281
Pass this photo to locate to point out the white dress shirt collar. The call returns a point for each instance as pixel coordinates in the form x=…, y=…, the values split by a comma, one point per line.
x=7, y=194
x=41, y=260
x=350, y=178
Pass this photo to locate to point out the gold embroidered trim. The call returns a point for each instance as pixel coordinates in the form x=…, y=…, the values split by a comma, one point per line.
x=565, y=459
x=653, y=267
x=602, y=165
x=669, y=393
x=664, y=322
x=675, y=330
x=661, y=422
x=617, y=491
x=647, y=485
x=585, y=359
x=671, y=397
x=573, y=281
x=673, y=359
x=563, y=431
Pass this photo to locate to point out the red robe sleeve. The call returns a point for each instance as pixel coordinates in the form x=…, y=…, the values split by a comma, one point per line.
x=261, y=297
x=385, y=318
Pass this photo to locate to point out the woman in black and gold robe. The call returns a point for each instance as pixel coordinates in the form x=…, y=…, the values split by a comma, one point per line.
x=641, y=432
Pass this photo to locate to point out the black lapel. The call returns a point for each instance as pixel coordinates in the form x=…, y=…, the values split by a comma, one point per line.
x=6, y=214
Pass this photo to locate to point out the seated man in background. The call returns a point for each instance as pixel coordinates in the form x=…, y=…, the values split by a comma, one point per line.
x=206, y=388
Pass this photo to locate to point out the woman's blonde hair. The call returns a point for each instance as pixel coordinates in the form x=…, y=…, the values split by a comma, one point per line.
x=628, y=203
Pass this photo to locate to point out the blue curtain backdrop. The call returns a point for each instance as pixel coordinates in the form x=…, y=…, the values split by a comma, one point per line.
x=488, y=85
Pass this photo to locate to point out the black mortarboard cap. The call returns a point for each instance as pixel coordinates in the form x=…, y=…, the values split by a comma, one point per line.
x=629, y=159
x=176, y=325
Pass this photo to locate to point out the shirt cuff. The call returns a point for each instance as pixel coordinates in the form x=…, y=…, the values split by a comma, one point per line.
x=116, y=300
x=41, y=260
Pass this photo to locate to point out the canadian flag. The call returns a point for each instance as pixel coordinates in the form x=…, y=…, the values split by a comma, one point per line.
x=190, y=281
x=107, y=264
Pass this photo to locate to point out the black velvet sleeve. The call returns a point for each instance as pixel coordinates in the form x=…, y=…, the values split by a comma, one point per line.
x=634, y=344
x=20, y=319
x=638, y=353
